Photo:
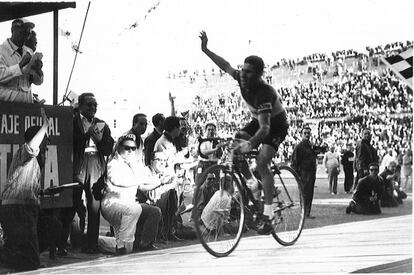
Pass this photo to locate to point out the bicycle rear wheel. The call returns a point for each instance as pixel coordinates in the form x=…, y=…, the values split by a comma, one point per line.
x=219, y=211
x=288, y=206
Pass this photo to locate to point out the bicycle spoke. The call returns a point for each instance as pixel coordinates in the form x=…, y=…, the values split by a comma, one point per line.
x=219, y=220
x=288, y=207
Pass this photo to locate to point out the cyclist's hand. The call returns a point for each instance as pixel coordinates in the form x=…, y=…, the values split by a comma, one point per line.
x=222, y=144
x=243, y=146
x=204, y=40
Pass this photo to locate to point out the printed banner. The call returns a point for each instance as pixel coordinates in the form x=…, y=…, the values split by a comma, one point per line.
x=15, y=118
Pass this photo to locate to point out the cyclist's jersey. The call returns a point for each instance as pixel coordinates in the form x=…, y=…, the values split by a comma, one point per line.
x=263, y=99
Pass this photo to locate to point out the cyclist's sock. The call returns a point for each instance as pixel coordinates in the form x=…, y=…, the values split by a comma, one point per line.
x=268, y=211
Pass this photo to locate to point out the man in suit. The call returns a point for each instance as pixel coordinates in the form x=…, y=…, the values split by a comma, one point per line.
x=365, y=154
x=304, y=163
x=158, y=122
x=92, y=142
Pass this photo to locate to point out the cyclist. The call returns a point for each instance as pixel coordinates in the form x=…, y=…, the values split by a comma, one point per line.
x=268, y=127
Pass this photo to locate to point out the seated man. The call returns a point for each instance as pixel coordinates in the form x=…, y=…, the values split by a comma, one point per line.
x=217, y=210
x=165, y=197
x=367, y=194
x=207, y=190
x=392, y=193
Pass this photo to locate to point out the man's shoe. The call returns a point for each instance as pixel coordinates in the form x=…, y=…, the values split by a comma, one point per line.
x=62, y=252
x=90, y=250
x=173, y=237
x=348, y=209
x=148, y=247
x=265, y=227
x=309, y=216
x=120, y=251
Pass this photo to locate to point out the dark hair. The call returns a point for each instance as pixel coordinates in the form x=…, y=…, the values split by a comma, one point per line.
x=171, y=122
x=157, y=119
x=306, y=127
x=136, y=117
x=30, y=133
x=82, y=97
x=373, y=164
x=256, y=61
x=210, y=124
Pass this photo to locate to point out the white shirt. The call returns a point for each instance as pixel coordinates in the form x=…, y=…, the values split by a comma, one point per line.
x=14, y=85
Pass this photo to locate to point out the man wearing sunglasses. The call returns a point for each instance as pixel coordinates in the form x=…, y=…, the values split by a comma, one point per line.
x=92, y=143
x=368, y=193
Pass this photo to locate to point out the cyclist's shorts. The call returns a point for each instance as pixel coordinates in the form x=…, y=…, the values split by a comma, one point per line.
x=278, y=130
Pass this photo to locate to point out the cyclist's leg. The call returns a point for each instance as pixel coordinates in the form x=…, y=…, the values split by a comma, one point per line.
x=264, y=159
x=246, y=133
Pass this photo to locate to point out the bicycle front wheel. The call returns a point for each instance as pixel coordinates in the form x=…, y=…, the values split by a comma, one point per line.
x=288, y=206
x=218, y=212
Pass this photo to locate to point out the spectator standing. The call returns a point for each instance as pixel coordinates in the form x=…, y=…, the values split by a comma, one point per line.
x=347, y=162
x=92, y=142
x=20, y=206
x=15, y=81
x=365, y=154
x=304, y=163
x=407, y=170
x=331, y=163
x=35, y=70
x=367, y=194
x=158, y=122
x=210, y=151
x=139, y=126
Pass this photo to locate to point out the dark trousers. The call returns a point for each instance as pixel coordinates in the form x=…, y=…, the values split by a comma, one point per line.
x=349, y=179
x=360, y=175
x=94, y=207
x=147, y=225
x=68, y=213
x=308, y=182
x=48, y=231
x=168, y=206
x=333, y=180
x=21, y=246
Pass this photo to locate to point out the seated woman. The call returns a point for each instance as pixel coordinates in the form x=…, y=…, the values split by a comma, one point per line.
x=119, y=206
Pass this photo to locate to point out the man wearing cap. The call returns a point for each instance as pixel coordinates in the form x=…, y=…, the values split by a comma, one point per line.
x=15, y=79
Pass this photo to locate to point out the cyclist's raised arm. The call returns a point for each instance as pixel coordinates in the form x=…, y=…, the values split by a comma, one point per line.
x=218, y=60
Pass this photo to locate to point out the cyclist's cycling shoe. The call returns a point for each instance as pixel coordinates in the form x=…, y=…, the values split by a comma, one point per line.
x=265, y=226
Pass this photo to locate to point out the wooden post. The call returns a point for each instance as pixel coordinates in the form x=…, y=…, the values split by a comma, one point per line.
x=55, y=55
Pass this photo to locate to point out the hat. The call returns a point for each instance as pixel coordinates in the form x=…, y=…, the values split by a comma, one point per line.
x=126, y=137
x=22, y=22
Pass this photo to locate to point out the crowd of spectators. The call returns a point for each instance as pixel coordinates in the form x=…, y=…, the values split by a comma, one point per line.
x=364, y=98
